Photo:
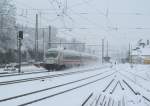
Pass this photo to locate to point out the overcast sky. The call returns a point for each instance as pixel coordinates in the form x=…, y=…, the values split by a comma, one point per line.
x=118, y=21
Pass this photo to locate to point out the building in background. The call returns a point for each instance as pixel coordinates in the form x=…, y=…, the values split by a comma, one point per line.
x=141, y=54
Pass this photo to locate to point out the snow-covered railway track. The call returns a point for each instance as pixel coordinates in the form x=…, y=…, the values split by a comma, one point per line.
x=138, y=76
x=133, y=81
x=58, y=86
x=46, y=77
x=133, y=89
x=83, y=104
x=19, y=74
x=136, y=93
x=105, y=100
x=125, y=83
x=70, y=89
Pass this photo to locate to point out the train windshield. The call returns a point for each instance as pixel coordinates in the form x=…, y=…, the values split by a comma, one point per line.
x=52, y=54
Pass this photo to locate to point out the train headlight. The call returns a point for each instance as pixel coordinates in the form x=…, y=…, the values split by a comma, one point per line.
x=52, y=61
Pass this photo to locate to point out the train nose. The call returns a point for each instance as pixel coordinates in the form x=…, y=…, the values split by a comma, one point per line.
x=51, y=61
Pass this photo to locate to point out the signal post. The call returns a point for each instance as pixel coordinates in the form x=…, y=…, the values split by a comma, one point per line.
x=19, y=39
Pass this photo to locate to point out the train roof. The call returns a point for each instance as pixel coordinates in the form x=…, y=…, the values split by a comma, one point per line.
x=71, y=52
x=67, y=52
x=55, y=49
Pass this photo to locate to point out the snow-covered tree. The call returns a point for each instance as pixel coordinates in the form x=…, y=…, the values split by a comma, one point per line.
x=7, y=25
x=7, y=31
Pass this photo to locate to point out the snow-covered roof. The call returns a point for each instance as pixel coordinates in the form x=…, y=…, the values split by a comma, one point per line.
x=143, y=51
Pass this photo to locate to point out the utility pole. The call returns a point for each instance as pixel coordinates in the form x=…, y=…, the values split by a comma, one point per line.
x=49, y=39
x=107, y=49
x=2, y=21
x=102, y=51
x=129, y=53
x=36, y=38
x=131, y=58
x=60, y=43
x=43, y=44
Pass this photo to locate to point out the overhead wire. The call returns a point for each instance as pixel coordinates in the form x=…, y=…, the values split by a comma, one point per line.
x=56, y=17
x=24, y=15
x=91, y=21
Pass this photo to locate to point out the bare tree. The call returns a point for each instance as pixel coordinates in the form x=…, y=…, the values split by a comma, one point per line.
x=7, y=24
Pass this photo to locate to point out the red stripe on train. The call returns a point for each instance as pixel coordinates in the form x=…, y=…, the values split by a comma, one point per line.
x=71, y=62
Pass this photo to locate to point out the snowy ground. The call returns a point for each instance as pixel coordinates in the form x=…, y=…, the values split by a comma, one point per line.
x=29, y=68
x=138, y=78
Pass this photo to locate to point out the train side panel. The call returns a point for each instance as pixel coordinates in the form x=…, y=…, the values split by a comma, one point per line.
x=58, y=59
x=71, y=58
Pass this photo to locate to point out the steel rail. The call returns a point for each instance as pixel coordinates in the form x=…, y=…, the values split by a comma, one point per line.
x=65, y=91
x=49, y=88
x=19, y=74
x=45, y=77
x=87, y=99
x=108, y=85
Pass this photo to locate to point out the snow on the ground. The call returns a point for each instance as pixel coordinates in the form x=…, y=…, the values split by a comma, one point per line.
x=29, y=68
x=135, y=76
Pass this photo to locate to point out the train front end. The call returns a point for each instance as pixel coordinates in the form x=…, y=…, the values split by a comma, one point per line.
x=51, y=61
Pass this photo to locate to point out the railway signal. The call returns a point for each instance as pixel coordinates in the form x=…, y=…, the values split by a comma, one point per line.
x=21, y=34
x=19, y=39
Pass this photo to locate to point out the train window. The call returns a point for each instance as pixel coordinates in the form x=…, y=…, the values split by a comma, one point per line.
x=69, y=55
x=52, y=54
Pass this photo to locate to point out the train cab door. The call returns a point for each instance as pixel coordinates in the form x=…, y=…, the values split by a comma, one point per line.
x=61, y=61
x=61, y=58
x=81, y=59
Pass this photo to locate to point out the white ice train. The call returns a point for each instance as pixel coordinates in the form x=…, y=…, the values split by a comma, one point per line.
x=56, y=59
